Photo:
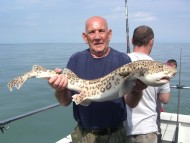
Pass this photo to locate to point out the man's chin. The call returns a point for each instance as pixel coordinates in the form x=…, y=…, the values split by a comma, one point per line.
x=102, y=52
x=99, y=46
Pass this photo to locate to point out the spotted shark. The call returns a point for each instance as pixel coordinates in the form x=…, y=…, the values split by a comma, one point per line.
x=111, y=86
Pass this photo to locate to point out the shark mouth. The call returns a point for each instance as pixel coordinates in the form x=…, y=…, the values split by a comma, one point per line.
x=167, y=78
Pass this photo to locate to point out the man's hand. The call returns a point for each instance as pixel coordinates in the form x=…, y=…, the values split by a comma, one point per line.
x=58, y=82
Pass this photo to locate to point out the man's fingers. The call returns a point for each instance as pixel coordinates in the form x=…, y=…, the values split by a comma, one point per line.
x=58, y=70
x=52, y=80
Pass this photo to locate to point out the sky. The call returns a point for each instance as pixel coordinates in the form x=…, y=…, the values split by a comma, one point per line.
x=62, y=21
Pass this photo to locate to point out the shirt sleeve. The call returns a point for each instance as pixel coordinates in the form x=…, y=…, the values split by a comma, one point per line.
x=165, y=88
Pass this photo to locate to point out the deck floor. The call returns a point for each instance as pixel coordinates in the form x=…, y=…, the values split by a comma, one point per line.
x=168, y=126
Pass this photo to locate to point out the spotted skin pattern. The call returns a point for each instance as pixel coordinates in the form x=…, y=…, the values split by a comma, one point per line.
x=114, y=85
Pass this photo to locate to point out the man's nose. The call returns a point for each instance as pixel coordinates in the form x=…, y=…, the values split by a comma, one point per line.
x=97, y=35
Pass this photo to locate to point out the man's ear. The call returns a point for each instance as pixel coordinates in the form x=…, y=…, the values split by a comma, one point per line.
x=151, y=42
x=84, y=36
x=109, y=35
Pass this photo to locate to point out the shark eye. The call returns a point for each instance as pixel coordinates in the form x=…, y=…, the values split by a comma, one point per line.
x=160, y=66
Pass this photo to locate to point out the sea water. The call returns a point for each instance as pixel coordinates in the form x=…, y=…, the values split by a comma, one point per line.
x=51, y=125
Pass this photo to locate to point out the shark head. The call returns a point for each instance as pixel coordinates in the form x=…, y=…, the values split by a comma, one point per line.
x=155, y=74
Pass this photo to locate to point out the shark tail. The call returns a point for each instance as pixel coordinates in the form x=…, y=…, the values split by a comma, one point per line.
x=17, y=82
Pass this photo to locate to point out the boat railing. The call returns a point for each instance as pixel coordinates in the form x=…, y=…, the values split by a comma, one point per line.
x=180, y=86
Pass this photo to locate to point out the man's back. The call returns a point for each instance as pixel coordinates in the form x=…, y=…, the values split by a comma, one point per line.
x=141, y=119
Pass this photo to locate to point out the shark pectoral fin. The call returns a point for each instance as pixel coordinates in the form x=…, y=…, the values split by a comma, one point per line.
x=85, y=102
x=126, y=87
x=80, y=99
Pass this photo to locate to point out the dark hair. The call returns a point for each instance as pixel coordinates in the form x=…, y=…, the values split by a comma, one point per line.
x=172, y=61
x=142, y=35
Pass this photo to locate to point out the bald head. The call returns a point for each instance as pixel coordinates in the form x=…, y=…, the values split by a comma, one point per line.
x=96, y=19
x=97, y=36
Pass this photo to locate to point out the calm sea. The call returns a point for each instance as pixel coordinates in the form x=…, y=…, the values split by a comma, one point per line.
x=52, y=125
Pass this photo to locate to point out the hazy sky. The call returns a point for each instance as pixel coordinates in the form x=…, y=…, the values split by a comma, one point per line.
x=62, y=21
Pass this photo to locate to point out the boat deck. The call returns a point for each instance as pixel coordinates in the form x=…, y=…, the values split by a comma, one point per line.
x=168, y=126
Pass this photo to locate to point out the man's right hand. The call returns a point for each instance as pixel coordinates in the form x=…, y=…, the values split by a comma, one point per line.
x=58, y=82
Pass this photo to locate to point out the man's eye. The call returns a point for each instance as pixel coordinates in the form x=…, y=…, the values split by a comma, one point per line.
x=101, y=31
x=91, y=32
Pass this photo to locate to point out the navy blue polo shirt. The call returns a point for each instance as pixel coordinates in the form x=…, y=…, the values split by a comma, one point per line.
x=98, y=115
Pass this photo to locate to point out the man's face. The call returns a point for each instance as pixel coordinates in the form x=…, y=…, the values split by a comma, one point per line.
x=97, y=36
